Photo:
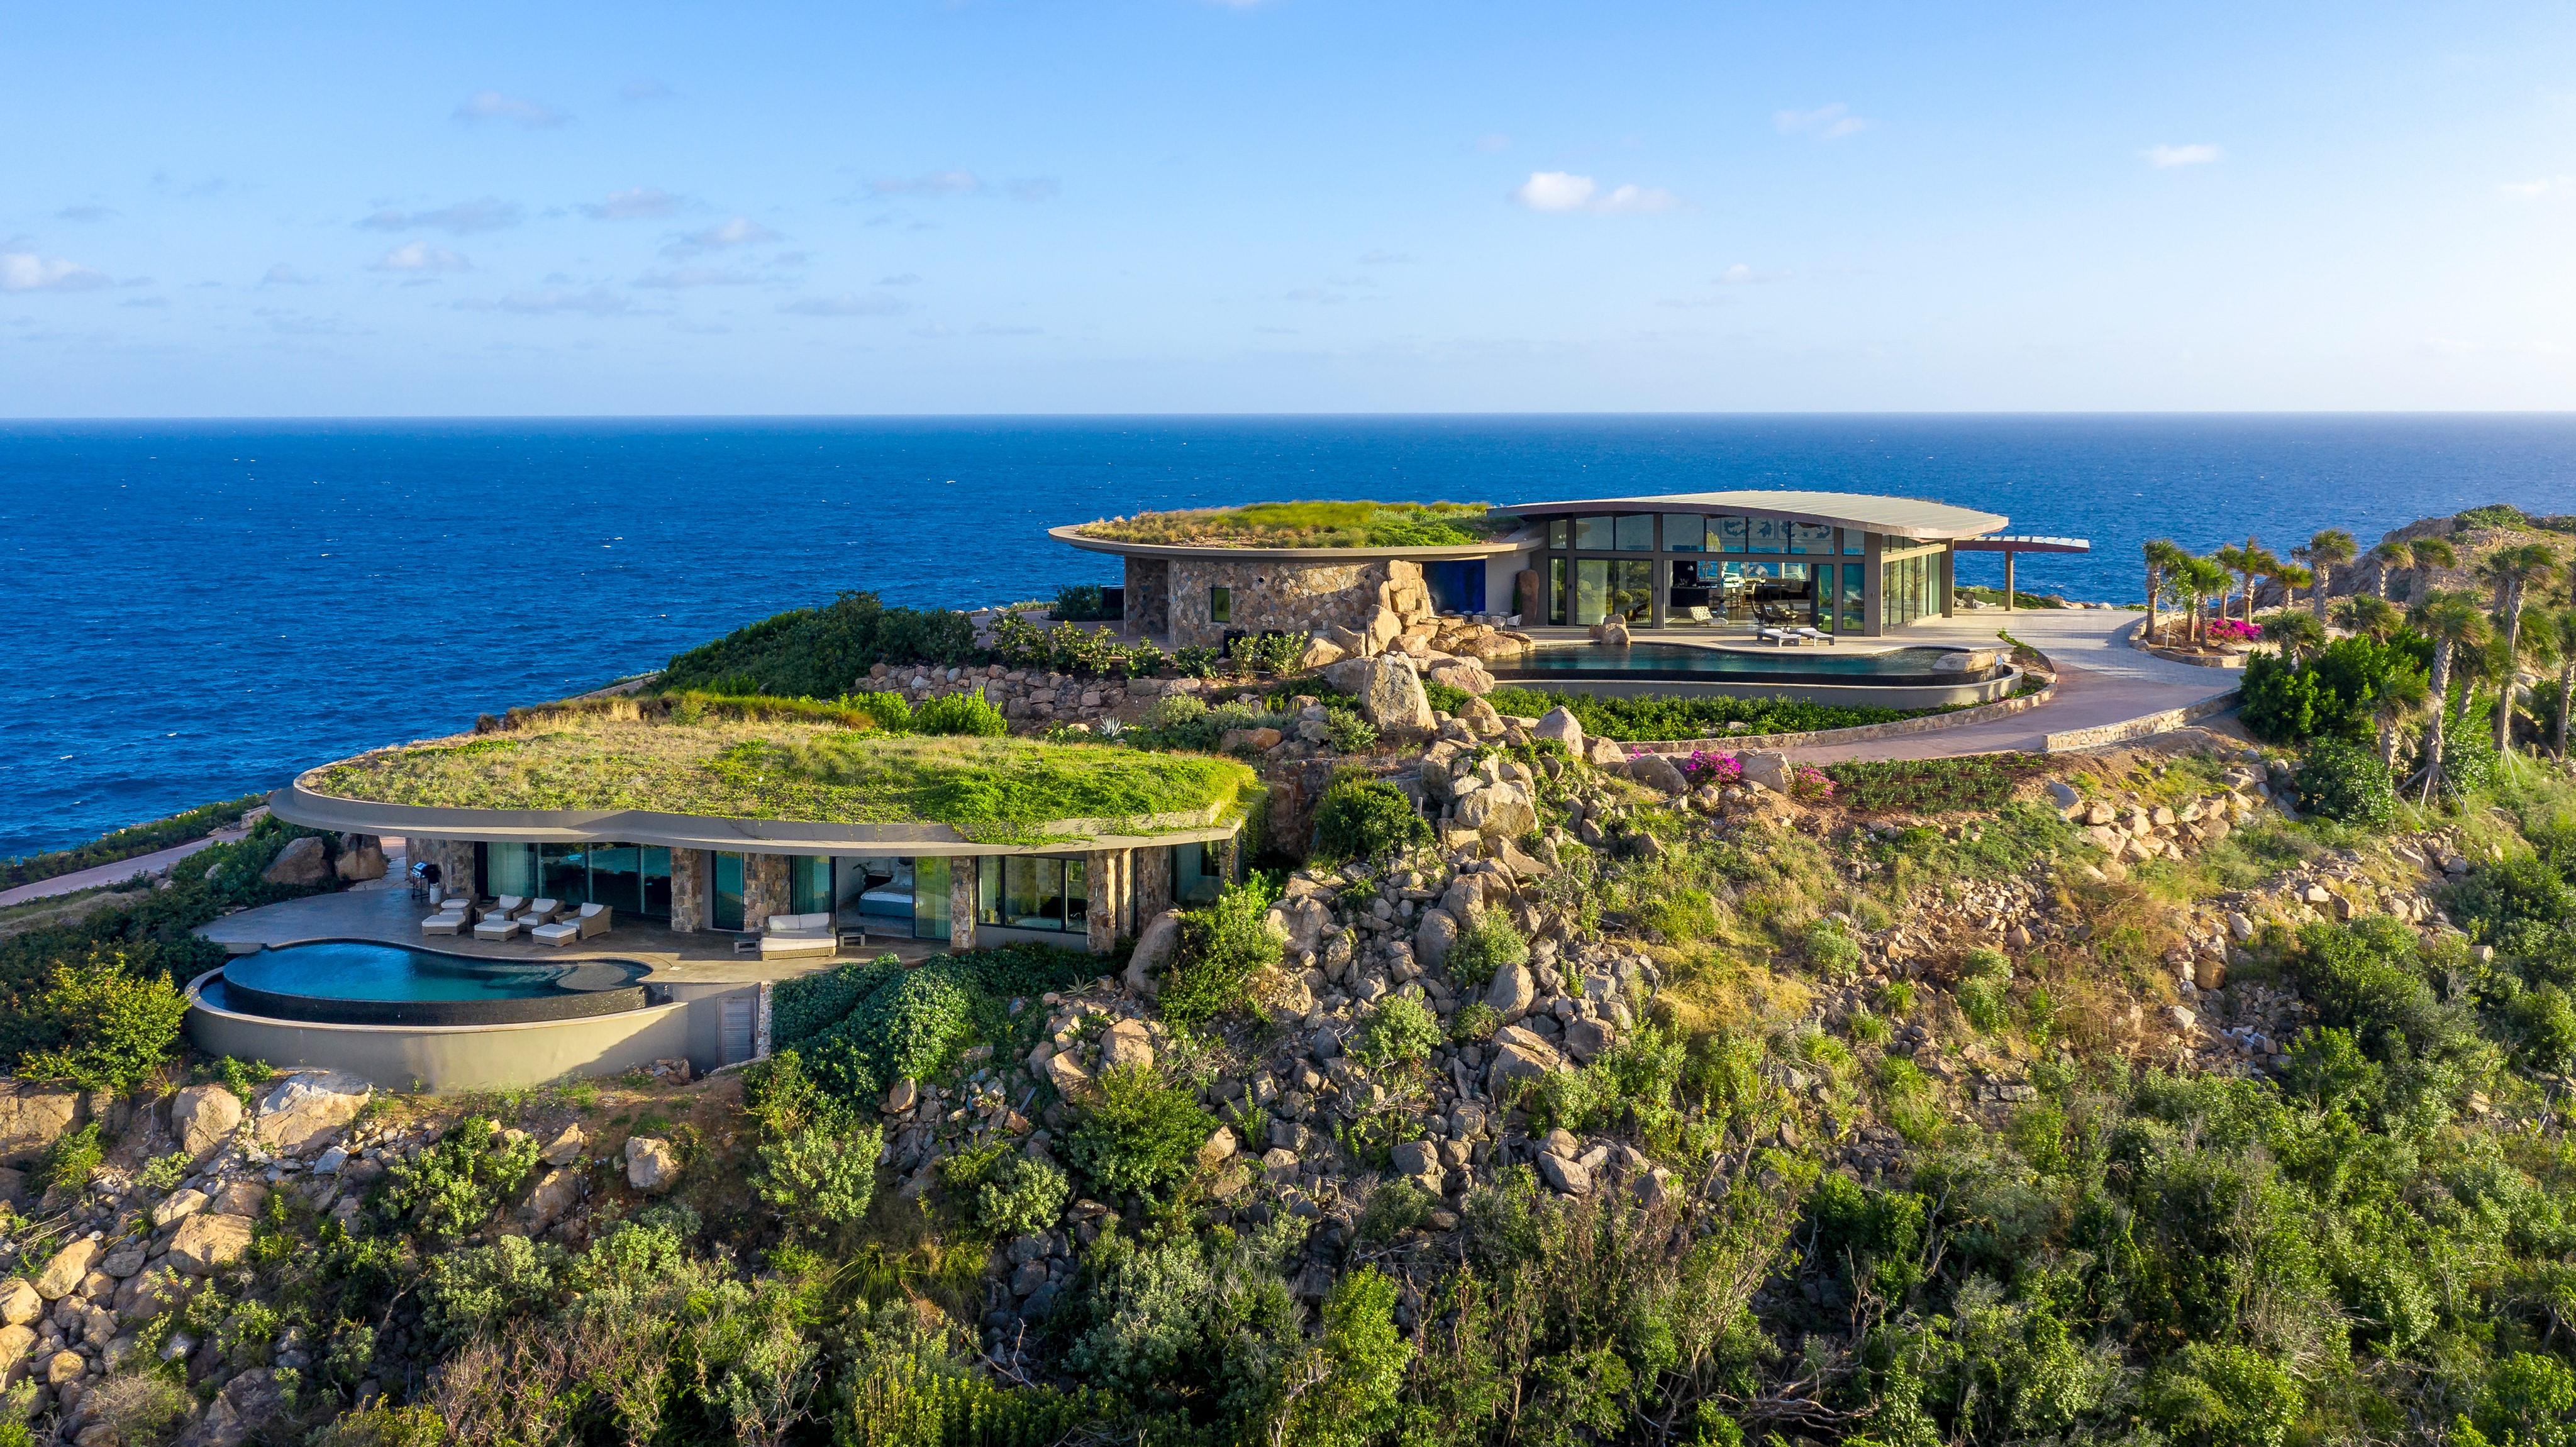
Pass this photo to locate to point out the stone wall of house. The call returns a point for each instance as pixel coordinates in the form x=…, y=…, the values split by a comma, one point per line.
x=962, y=902
x=454, y=858
x=688, y=890
x=1149, y=596
x=764, y=889
x=1267, y=595
x=1153, y=866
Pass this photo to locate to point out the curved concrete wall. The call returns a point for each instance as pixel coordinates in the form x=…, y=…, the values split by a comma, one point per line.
x=449, y=1057
x=1926, y=695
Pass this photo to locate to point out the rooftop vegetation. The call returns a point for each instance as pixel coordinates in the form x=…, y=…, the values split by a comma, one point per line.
x=994, y=790
x=1307, y=525
x=821, y=652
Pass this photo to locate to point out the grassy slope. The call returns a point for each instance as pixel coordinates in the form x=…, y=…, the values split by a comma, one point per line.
x=1305, y=525
x=985, y=788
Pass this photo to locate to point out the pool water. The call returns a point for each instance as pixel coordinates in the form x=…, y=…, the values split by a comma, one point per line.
x=1807, y=664
x=356, y=982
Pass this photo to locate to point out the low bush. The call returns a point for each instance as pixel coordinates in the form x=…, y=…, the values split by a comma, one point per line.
x=129, y=842
x=1365, y=818
x=1680, y=718
x=825, y=1170
x=1487, y=943
x=859, y=1028
x=1984, y=989
x=2343, y=780
x=453, y=1187
x=1474, y=1021
x=1401, y=1030
x=116, y=1025
x=67, y=1163
x=1684, y=916
x=819, y=652
x=1137, y=1134
x=1016, y=1195
x=1081, y=603
x=1221, y=948
x=960, y=714
x=1982, y=783
x=1394, y=1207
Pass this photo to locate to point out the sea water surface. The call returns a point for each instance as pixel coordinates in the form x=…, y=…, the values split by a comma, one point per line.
x=195, y=610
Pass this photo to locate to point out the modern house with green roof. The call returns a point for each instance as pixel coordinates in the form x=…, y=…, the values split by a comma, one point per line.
x=1845, y=564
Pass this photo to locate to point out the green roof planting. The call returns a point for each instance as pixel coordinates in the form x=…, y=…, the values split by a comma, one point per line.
x=1305, y=525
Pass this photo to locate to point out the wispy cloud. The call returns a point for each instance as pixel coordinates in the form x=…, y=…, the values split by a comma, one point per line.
x=85, y=213
x=847, y=304
x=643, y=90
x=27, y=271
x=739, y=231
x=555, y=301
x=2167, y=157
x=490, y=213
x=2534, y=190
x=1826, y=122
x=1741, y=274
x=685, y=277
x=1032, y=188
x=1564, y=193
x=1387, y=258
x=422, y=258
x=285, y=275
x=491, y=105
x=935, y=183
x=642, y=203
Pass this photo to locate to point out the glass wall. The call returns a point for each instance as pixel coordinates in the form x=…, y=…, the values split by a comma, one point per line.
x=633, y=879
x=509, y=869
x=724, y=893
x=1033, y=892
x=872, y=891
x=930, y=897
x=1706, y=572
x=1198, y=873
x=1855, y=617
x=809, y=883
x=1910, y=588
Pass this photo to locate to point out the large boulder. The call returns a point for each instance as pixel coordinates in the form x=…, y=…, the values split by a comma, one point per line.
x=362, y=857
x=308, y=1108
x=32, y=1118
x=1393, y=699
x=1562, y=1175
x=63, y=1272
x=1465, y=674
x=651, y=1164
x=1154, y=946
x=207, y=1243
x=1511, y=990
x=303, y=862
x=1767, y=767
x=1658, y=773
x=1498, y=811
x=16, y=1343
x=20, y=1303
x=203, y=1117
x=557, y=1191
x=1127, y=1043
x=566, y=1146
x=1320, y=651
x=1611, y=632
x=1521, y=1055
x=1563, y=727
x=1434, y=937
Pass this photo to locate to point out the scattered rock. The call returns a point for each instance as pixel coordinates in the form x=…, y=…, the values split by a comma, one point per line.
x=1219, y=1148
x=239, y=1198
x=32, y=1118
x=1563, y=727
x=303, y=862
x=1658, y=773
x=1769, y=768
x=181, y=1205
x=16, y=1343
x=306, y=1109
x=1434, y=937
x=555, y=1193
x=63, y=1272
x=651, y=1165
x=19, y=1304
x=1154, y=946
x=1511, y=990
x=362, y=857
x=1127, y=1044
x=1565, y=1176
x=1392, y=697
x=203, y=1117
x=565, y=1148
x=207, y=1243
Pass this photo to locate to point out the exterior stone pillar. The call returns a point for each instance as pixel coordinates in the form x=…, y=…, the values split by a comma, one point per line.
x=764, y=889
x=454, y=858
x=688, y=891
x=1153, y=866
x=1229, y=857
x=962, y=871
x=1949, y=576
x=1100, y=907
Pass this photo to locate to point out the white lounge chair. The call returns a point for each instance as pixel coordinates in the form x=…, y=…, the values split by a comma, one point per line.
x=1696, y=613
x=592, y=919
x=540, y=911
x=799, y=934
x=1776, y=637
x=1815, y=635
x=498, y=923
x=451, y=919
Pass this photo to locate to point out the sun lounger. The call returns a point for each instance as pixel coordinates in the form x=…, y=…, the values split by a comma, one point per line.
x=451, y=919
x=799, y=934
x=593, y=919
x=1695, y=613
x=1776, y=637
x=1815, y=635
x=540, y=911
x=498, y=923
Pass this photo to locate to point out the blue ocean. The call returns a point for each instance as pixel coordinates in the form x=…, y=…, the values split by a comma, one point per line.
x=197, y=610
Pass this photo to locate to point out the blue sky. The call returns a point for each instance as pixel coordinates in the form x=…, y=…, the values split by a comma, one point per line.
x=1296, y=205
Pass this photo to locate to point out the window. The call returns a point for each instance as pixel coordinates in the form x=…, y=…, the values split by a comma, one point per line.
x=1685, y=532
x=1591, y=590
x=1556, y=592
x=1766, y=535
x=1632, y=589
x=1855, y=542
x=1809, y=538
x=1730, y=533
x=872, y=889
x=1220, y=605
x=1031, y=892
x=1198, y=873
x=1592, y=535
x=809, y=883
x=724, y=896
x=1556, y=533
x=510, y=869
x=930, y=897
x=1635, y=532
x=563, y=873
x=1854, y=619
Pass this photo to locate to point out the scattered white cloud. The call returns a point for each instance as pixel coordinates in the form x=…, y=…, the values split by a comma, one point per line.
x=420, y=256
x=1825, y=123
x=685, y=277
x=491, y=105
x=1493, y=144
x=27, y=271
x=935, y=183
x=2167, y=157
x=739, y=231
x=643, y=90
x=1032, y=188
x=909, y=278
x=640, y=203
x=1564, y=193
x=847, y=304
x=285, y=275
x=490, y=213
x=2534, y=190
x=555, y=301
x=1741, y=274
x=1387, y=258
x=85, y=212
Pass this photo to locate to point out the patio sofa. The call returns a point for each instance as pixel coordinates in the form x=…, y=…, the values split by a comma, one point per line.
x=592, y=919
x=799, y=934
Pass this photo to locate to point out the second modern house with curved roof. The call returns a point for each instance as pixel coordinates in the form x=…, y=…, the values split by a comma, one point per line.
x=1842, y=563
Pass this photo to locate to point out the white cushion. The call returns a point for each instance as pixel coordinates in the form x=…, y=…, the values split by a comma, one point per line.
x=593, y=911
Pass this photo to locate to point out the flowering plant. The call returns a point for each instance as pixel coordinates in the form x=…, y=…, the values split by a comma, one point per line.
x=2228, y=630
x=1703, y=767
x=1809, y=782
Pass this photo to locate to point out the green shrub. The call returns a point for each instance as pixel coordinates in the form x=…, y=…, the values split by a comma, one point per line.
x=417, y=1425
x=818, y=652
x=2343, y=780
x=117, y=1024
x=1401, y=1030
x=1020, y=1196
x=162, y=1174
x=68, y=1162
x=2529, y=1399
x=1830, y=947
x=1981, y=782
x=1983, y=994
x=1137, y=1134
x=453, y=1186
x=1348, y=733
x=2224, y=1396
x=1081, y=603
x=960, y=714
x=1219, y=950
x=480, y=1289
x=1394, y=1207
x=890, y=712
x=1681, y=916
x=1678, y=718
x=1487, y=942
x=806, y=1006
x=1365, y=818
x=127, y=843
x=1474, y=1021
x=2364, y=977
x=826, y=1170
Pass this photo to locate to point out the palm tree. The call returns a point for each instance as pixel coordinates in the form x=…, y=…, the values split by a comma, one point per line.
x=2454, y=624
x=2291, y=577
x=2392, y=555
x=2162, y=556
x=2209, y=579
x=2362, y=613
x=2511, y=571
x=2562, y=632
x=2297, y=635
x=2325, y=552
x=2247, y=560
x=2398, y=698
x=2430, y=553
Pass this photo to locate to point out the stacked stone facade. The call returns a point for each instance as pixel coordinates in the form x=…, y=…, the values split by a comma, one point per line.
x=688, y=891
x=764, y=889
x=1266, y=595
x=454, y=858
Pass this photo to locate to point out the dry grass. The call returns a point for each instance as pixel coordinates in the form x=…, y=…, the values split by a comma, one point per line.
x=988, y=789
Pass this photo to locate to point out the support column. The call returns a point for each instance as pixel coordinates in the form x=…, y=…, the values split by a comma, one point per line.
x=962, y=872
x=764, y=889
x=1873, y=570
x=1949, y=577
x=2008, y=580
x=1153, y=866
x=688, y=891
x=1100, y=905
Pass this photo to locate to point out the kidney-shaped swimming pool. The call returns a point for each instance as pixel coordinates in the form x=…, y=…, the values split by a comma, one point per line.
x=357, y=982
x=1681, y=662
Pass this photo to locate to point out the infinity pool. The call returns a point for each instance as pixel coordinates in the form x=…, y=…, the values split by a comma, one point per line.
x=361, y=983
x=1896, y=667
